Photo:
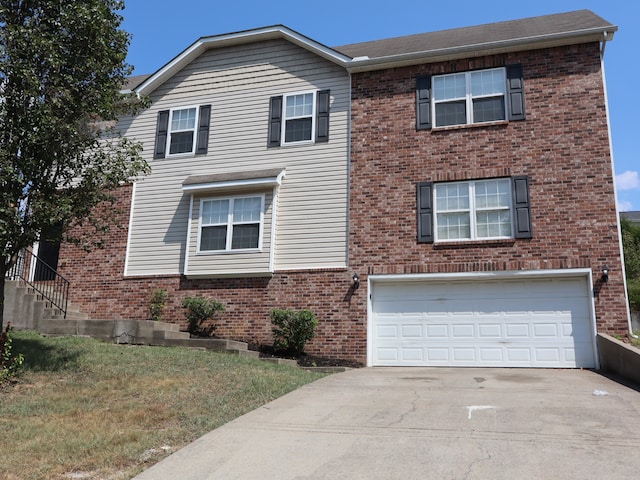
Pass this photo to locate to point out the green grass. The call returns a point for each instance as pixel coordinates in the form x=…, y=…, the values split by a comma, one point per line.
x=109, y=411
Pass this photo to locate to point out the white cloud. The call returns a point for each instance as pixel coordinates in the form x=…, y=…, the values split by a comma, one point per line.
x=625, y=206
x=627, y=180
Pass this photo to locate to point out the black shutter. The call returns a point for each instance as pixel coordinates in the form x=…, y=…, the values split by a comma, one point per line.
x=275, y=121
x=423, y=102
x=425, y=212
x=202, y=142
x=522, y=210
x=322, y=116
x=515, y=89
x=162, y=130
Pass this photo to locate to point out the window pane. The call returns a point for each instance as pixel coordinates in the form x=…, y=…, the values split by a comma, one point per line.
x=183, y=119
x=246, y=209
x=493, y=194
x=181, y=142
x=213, y=238
x=453, y=196
x=453, y=226
x=493, y=224
x=297, y=130
x=488, y=109
x=451, y=113
x=215, y=211
x=488, y=82
x=299, y=105
x=447, y=87
x=245, y=236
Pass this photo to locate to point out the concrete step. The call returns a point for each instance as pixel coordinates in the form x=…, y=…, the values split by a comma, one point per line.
x=214, y=344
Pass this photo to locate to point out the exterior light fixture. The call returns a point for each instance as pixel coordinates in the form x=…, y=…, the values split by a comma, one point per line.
x=605, y=274
x=356, y=281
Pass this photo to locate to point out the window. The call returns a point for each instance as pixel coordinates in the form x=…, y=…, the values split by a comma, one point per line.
x=470, y=97
x=228, y=224
x=183, y=131
x=299, y=118
x=470, y=210
x=474, y=210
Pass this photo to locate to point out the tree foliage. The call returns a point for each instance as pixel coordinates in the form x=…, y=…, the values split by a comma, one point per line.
x=631, y=249
x=62, y=69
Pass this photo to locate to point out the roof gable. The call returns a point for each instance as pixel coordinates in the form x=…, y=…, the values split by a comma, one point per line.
x=525, y=34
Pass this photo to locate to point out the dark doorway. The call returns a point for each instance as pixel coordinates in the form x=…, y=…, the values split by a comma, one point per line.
x=48, y=253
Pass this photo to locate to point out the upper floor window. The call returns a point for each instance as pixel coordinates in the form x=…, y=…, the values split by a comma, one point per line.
x=299, y=118
x=228, y=224
x=471, y=97
x=183, y=131
x=495, y=208
x=467, y=98
x=473, y=210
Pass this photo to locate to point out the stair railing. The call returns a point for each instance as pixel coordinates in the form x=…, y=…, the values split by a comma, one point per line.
x=52, y=286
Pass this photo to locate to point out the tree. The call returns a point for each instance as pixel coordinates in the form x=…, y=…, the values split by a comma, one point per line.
x=631, y=250
x=62, y=68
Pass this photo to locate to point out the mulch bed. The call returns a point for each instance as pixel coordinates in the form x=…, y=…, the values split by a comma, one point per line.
x=306, y=360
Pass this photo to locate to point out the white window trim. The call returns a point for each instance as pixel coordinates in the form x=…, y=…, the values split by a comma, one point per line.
x=469, y=98
x=472, y=212
x=285, y=118
x=230, y=225
x=170, y=132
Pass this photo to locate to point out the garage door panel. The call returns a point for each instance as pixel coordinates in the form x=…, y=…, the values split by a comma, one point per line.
x=542, y=322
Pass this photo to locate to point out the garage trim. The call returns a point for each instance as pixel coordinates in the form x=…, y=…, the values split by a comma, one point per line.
x=585, y=273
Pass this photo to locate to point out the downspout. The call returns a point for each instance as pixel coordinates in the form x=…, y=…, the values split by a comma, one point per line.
x=615, y=190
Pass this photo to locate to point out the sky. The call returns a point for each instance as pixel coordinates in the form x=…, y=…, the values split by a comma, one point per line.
x=161, y=29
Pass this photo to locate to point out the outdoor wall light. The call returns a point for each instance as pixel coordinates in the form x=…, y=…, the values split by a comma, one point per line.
x=356, y=281
x=605, y=274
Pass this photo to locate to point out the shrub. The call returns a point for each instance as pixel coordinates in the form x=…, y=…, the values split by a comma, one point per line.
x=292, y=330
x=9, y=363
x=157, y=304
x=199, y=311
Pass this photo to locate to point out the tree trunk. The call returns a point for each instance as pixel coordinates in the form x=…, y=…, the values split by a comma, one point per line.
x=3, y=272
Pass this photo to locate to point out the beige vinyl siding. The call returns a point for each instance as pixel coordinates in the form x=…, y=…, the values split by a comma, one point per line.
x=238, y=83
x=229, y=263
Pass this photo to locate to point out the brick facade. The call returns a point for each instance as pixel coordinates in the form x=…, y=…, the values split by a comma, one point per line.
x=562, y=146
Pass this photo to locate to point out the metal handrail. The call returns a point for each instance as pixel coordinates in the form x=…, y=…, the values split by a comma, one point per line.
x=46, y=280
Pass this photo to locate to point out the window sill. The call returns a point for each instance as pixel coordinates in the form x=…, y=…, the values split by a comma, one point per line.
x=500, y=242
x=228, y=252
x=499, y=123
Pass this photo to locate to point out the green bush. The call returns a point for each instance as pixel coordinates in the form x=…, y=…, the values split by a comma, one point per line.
x=201, y=310
x=9, y=363
x=157, y=304
x=292, y=330
x=633, y=290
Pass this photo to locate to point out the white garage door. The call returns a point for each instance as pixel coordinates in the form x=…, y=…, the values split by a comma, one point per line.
x=506, y=323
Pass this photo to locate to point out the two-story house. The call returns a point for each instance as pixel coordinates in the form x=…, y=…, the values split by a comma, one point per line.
x=444, y=198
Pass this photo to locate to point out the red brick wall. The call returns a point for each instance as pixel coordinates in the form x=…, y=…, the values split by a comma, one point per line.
x=562, y=146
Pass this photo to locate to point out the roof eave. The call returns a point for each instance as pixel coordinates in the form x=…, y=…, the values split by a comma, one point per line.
x=239, y=38
x=482, y=49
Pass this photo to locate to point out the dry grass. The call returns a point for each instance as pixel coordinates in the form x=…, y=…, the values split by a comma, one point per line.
x=92, y=410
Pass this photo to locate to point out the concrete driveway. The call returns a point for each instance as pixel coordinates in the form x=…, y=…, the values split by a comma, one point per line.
x=428, y=423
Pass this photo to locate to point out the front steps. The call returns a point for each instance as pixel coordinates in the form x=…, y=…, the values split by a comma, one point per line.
x=26, y=310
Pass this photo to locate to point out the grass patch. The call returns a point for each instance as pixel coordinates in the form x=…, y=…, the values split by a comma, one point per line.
x=85, y=407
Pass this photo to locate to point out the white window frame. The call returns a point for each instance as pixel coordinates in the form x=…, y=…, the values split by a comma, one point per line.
x=472, y=210
x=468, y=98
x=285, y=118
x=230, y=224
x=194, y=130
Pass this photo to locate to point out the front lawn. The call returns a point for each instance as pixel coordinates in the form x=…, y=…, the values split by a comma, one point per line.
x=82, y=408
